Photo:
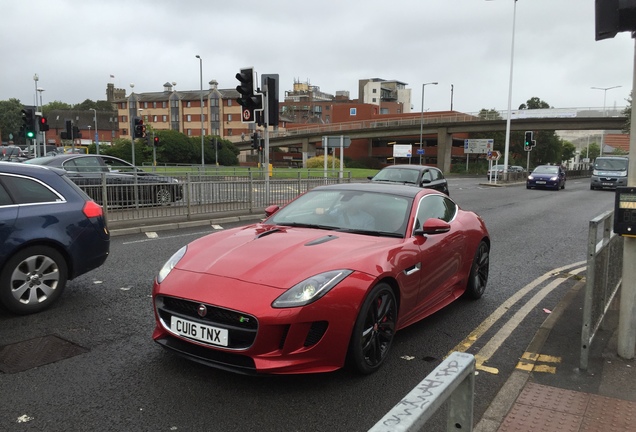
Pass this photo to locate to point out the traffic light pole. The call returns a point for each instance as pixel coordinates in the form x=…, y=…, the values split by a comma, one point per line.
x=266, y=96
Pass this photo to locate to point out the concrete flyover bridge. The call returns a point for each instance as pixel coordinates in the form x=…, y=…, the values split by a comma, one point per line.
x=445, y=125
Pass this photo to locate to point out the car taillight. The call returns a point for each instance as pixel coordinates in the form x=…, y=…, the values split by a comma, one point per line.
x=92, y=209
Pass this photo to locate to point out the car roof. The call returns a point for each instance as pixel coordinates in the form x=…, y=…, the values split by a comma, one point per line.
x=411, y=167
x=388, y=188
x=24, y=169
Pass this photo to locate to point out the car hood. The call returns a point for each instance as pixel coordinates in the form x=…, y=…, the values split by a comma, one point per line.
x=279, y=256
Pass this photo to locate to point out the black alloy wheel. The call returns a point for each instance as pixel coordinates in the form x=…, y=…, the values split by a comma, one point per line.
x=479, y=272
x=373, y=331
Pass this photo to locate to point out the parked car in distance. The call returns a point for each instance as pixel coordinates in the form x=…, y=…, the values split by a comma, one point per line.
x=50, y=232
x=547, y=177
x=609, y=172
x=86, y=170
x=416, y=175
x=375, y=257
x=516, y=169
x=496, y=172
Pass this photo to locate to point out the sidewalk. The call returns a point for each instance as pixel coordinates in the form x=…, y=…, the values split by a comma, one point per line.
x=548, y=392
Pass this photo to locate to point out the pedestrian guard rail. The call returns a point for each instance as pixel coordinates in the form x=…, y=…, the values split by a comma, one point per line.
x=603, y=280
x=453, y=381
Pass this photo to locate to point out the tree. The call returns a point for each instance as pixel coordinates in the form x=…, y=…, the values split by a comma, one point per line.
x=594, y=150
x=568, y=151
x=627, y=112
x=534, y=103
x=55, y=105
x=11, y=119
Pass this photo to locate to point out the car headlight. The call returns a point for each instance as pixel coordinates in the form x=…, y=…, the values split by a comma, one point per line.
x=311, y=289
x=530, y=177
x=553, y=178
x=170, y=264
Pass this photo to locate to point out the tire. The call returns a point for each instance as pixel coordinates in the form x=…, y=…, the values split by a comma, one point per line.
x=163, y=196
x=373, y=330
x=478, y=277
x=32, y=280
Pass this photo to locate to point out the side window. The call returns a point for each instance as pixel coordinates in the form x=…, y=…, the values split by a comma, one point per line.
x=5, y=199
x=85, y=164
x=435, y=175
x=435, y=206
x=28, y=191
x=426, y=176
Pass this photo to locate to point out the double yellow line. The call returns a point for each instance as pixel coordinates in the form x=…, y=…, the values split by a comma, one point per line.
x=528, y=359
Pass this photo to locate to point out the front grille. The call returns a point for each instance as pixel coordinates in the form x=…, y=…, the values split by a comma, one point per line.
x=242, y=328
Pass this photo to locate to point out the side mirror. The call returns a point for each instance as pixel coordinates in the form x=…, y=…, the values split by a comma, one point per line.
x=271, y=210
x=433, y=226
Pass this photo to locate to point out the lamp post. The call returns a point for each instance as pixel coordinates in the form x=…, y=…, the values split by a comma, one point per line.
x=512, y=56
x=605, y=89
x=96, y=132
x=202, y=126
x=422, y=118
x=40, y=90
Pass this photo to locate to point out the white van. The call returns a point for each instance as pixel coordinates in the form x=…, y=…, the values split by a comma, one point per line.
x=609, y=172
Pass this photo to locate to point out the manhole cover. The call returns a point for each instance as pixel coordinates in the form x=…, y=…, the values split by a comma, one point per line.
x=26, y=355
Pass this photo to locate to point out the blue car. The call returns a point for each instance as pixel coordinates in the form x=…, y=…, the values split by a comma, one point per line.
x=50, y=232
x=547, y=177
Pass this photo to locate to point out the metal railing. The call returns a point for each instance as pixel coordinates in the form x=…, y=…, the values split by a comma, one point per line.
x=604, y=277
x=453, y=379
x=191, y=196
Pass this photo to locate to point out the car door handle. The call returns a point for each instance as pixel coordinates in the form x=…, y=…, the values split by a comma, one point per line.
x=409, y=271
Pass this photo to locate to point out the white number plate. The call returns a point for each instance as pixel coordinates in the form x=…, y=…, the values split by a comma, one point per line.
x=608, y=184
x=200, y=332
x=540, y=182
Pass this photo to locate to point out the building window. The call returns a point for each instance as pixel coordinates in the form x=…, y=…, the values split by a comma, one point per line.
x=123, y=105
x=229, y=117
x=189, y=104
x=375, y=91
x=189, y=117
x=374, y=100
x=189, y=132
x=229, y=132
x=164, y=118
x=164, y=104
x=154, y=104
x=124, y=119
x=229, y=102
x=145, y=104
x=352, y=111
x=154, y=119
x=174, y=103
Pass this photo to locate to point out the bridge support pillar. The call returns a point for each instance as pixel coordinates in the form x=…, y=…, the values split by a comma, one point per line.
x=308, y=149
x=444, y=149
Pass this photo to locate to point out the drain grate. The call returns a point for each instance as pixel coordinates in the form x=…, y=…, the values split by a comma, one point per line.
x=32, y=353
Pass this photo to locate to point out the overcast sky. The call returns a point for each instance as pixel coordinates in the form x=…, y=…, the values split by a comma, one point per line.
x=74, y=46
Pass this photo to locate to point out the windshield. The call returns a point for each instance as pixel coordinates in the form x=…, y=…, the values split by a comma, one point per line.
x=344, y=210
x=397, y=175
x=611, y=164
x=546, y=169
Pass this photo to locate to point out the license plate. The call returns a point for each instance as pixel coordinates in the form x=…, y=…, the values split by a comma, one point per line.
x=608, y=184
x=540, y=182
x=200, y=332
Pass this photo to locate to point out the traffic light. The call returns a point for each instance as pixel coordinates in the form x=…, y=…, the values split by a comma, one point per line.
x=155, y=141
x=527, y=142
x=139, y=130
x=28, y=122
x=255, y=141
x=43, y=123
x=248, y=98
x=613, y=16
x=76, y=132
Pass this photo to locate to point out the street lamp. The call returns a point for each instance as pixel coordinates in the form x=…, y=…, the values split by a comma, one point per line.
x=96, y=132
x=201, y=84
x=605, y=89
x=512, y=56
x=422, y=118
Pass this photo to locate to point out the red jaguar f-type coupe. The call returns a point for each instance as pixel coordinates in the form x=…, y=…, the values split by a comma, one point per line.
x=321, y=283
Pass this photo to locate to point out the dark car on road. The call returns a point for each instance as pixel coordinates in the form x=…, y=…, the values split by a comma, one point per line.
x=547, y=176
x=417, y=175
x=50, y=232
x=126, y=184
